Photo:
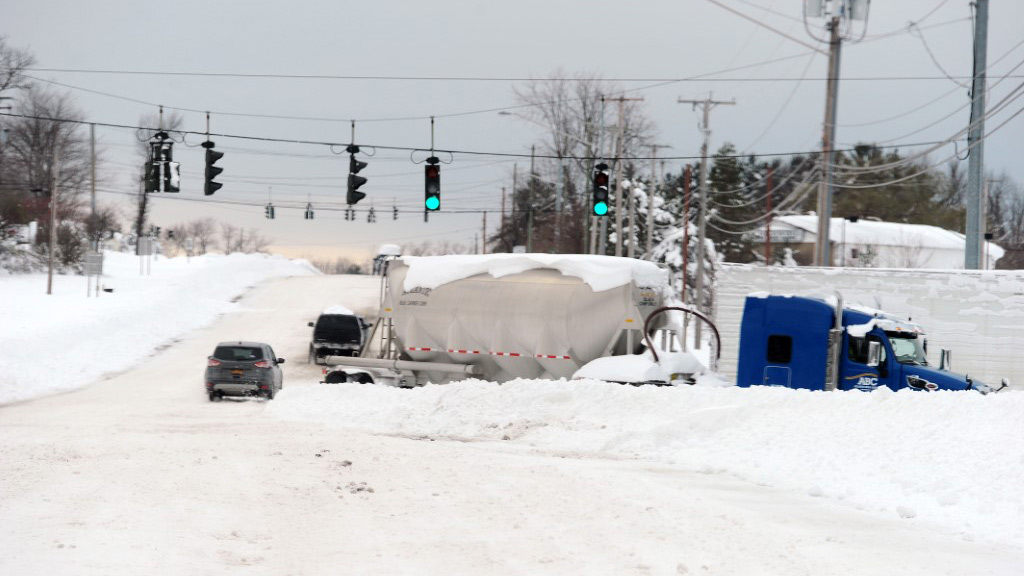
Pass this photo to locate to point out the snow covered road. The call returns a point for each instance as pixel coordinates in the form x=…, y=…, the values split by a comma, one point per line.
x=140, y=474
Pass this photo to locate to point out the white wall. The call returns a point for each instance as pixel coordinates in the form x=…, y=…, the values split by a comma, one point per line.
x=979, y=315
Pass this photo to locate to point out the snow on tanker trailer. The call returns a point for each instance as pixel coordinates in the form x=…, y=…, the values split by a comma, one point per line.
x=799, y=342
x=504, y=316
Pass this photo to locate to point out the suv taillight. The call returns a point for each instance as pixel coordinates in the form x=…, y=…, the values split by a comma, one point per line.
x=212, y=362
x=262, y=364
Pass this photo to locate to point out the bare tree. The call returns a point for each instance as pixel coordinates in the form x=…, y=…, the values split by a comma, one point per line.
x=48, y=129
x=13, y=62
x=577, y=128
x=230, y=238
x=203, y=234
x=102, y=224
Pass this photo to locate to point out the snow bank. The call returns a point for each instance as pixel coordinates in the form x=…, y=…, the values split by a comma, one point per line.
x=64, y=341
x=953, y=460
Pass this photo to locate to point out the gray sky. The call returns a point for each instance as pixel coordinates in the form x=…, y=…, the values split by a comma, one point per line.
x=775, y=111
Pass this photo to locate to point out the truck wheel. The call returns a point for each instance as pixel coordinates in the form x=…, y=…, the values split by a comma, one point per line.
x=213, y=396
x=312, y=356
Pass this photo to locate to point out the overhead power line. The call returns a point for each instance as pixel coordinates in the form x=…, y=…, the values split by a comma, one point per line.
x=698, y=78
x=412, y=149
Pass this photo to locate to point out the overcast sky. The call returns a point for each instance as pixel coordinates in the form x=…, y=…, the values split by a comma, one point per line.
x=637, y=42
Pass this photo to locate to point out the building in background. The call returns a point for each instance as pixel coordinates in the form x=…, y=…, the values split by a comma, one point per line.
x=865, y=243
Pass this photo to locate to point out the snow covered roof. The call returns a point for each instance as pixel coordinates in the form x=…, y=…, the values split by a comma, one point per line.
x=872, y=232
x=389, y=250
x=599, y=272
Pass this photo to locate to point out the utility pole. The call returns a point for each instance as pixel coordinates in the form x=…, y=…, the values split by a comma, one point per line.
x=975, y=140
x=515, y=223
x=702, y=187
x=483, y=239
x=619, y=145
x=650, y=197
x=822, y=252
x=838, y=14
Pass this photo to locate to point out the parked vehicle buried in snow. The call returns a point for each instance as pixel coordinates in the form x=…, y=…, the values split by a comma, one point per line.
x=243, y=369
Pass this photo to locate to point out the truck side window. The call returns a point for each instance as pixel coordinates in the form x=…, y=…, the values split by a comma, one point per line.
x=780, y=349
x=858, y=349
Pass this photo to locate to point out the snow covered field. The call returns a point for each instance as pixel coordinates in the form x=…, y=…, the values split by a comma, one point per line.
x=131, y=470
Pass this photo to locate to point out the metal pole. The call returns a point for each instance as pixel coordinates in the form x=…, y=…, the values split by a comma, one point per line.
x=768, y=219
x=54, y=175
x=975, y=139
x=823, y=256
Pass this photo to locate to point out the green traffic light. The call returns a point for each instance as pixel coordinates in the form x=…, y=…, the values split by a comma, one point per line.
x=601, y=208
x=433, y=203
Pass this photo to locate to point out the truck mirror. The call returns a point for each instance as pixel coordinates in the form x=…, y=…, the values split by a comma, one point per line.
x=945, y=359
x=310, y=324
x=874, y=353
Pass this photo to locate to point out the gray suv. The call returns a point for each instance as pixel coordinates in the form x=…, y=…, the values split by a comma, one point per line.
x=243, y=369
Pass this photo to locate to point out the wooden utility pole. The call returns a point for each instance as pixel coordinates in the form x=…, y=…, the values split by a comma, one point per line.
x=822, y=253
x=687, y=176
x=619, y=145
x=975, y=141
x=650, y=200
x=702, y=186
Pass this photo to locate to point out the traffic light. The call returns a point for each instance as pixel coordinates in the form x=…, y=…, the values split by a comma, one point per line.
x=600, y=190
x=354, y=182
x=212, y=171
x=269, y=211
x=172, y=177
x=309, y=211
x=432, y=185
x=152, y=176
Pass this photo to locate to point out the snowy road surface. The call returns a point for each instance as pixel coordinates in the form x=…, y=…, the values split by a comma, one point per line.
x=140, y=474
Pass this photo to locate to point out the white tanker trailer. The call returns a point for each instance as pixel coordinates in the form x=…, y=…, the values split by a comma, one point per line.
x=504, y=316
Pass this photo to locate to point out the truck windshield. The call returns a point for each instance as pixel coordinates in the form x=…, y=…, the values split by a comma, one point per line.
x=908, y=348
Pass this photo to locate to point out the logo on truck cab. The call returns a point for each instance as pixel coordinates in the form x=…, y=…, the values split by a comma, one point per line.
x=867, y=381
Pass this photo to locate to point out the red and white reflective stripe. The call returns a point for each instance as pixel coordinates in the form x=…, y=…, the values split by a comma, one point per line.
x=556, y=356
x=463, y=351
x=415, y=349
x=513, y=354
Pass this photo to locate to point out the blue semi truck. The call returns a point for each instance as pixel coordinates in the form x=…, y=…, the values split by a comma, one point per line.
x=799, y=342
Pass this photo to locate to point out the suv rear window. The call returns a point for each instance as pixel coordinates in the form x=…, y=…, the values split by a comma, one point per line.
x=238, y=353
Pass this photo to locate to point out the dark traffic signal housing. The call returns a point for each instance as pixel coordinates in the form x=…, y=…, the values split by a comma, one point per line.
x=432, y=185
x=354, y=182
x=212, y=171
x=600, y=207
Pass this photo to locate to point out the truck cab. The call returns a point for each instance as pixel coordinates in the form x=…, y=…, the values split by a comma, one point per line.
x=798, y=342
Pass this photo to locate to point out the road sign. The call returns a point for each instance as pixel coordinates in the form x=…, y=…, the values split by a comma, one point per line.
x=94, y=264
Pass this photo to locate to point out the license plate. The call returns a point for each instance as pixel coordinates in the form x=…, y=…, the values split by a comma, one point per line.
x=236, y=372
